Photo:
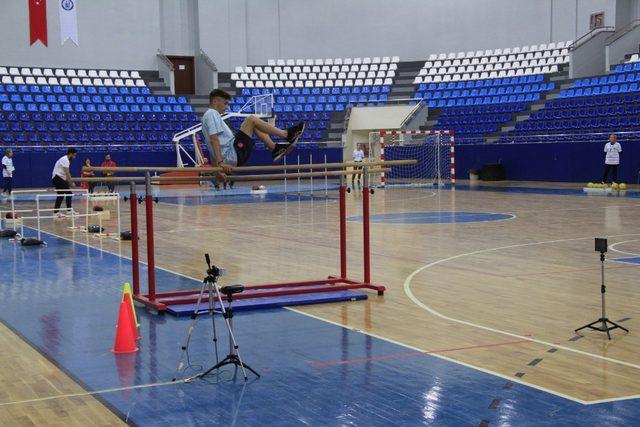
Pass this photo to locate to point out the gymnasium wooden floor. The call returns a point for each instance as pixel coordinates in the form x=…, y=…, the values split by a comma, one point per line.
x=502, y=297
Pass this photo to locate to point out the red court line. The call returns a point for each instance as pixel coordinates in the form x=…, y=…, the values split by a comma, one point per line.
x=406, y=354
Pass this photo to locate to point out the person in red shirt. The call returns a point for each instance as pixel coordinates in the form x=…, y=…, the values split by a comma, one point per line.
x=88, y=185
x=108, y=163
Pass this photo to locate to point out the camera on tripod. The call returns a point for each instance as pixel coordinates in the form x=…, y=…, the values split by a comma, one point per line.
x=600, y=245
x=210, y=292
x=213, y=272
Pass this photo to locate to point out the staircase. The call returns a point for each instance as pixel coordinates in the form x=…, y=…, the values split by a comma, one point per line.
x=155, y=83
x=403, y=86
x=561, y=78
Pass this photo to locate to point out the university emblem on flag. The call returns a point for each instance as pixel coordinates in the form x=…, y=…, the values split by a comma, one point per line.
x=67, y=4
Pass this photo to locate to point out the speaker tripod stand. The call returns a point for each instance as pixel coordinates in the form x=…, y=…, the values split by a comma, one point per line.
x=210, y=285
x=606, y=325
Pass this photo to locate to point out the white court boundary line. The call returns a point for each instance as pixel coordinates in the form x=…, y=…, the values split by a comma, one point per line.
x=440, y=356
x=512, y=216
x=91, y=393
x=409, y=293
x=613, y=248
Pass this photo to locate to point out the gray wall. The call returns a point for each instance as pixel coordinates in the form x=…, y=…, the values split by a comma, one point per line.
x=258, y=30
x=127, y=34
x=178, y=27
x=121, y=34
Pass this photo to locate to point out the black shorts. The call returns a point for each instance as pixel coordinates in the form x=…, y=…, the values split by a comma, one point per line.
x=243, y=145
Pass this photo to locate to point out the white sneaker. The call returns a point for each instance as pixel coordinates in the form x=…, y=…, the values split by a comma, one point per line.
x=73, y=213
x=60, y=215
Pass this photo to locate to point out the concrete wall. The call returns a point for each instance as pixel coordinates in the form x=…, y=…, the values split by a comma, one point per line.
x=178, y=27
x=119, y=34
x=127, y=34
x=626, y=44
x=589, y=59
x=411, y=29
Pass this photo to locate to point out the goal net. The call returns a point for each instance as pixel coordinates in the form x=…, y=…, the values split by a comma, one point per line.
x=434, y=151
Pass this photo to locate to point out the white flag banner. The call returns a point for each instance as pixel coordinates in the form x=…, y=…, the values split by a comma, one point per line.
x=68, y=21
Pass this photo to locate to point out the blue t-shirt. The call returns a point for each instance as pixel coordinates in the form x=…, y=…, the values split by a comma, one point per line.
x=212, y=124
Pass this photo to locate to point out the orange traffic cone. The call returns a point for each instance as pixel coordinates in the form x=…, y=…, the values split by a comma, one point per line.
x=127, y=299
x=125, y=341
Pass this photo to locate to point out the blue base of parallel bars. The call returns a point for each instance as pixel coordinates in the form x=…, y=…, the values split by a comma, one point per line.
x=271, y=302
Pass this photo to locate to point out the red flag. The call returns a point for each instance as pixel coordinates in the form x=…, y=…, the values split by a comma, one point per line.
x=38, y=21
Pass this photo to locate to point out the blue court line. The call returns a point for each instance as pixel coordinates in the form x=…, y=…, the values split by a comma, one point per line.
x=544, y=191
x=628, y=260
x=433, y=217
x=63, y=300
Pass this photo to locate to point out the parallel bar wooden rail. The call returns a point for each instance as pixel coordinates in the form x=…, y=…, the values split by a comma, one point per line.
x=142, y=169
x=265, y=177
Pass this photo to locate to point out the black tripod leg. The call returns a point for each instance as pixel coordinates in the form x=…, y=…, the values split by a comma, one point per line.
x=606, y=328
x=250, y=368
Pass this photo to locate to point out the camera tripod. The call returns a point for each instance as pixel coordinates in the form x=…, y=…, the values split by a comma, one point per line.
x=210, y=285
x=606, y=325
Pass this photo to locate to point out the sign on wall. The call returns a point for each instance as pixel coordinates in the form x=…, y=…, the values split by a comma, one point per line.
x=68, y=21
x=596, y=20
x=38, y=21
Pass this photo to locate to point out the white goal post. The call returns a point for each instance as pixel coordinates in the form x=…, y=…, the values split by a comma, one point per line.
x=433, y=149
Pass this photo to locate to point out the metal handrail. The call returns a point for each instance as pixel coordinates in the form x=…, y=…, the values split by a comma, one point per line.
x=585, y=37
x=208, y=60
x=165, y=60
x=549, y=135
x=413, y=112
x=622, y=31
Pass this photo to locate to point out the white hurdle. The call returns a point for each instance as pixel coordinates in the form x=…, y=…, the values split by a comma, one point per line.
x=40, y=213
x=108, y=197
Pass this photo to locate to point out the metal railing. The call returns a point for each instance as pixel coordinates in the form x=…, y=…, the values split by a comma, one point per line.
x=208, y=60
x=166, y=70
x=621, y=32
x=588, y=36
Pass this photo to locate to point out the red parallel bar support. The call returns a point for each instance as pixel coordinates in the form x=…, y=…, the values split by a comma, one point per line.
x=155, y=305
x=365, y=229
x=151, y=264
x=135, y=256
x=332, y=288
x=343, y=228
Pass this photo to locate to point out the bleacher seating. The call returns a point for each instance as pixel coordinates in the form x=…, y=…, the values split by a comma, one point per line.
x=592, y=106
x=479, y=91
x=492, y=64
x=312, y=89
x=42, y=107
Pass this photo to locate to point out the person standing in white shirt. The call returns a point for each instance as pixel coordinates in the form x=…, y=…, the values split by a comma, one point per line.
x=7, y=172
x=611, y=158
x=358, y=156
x=61, y=178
